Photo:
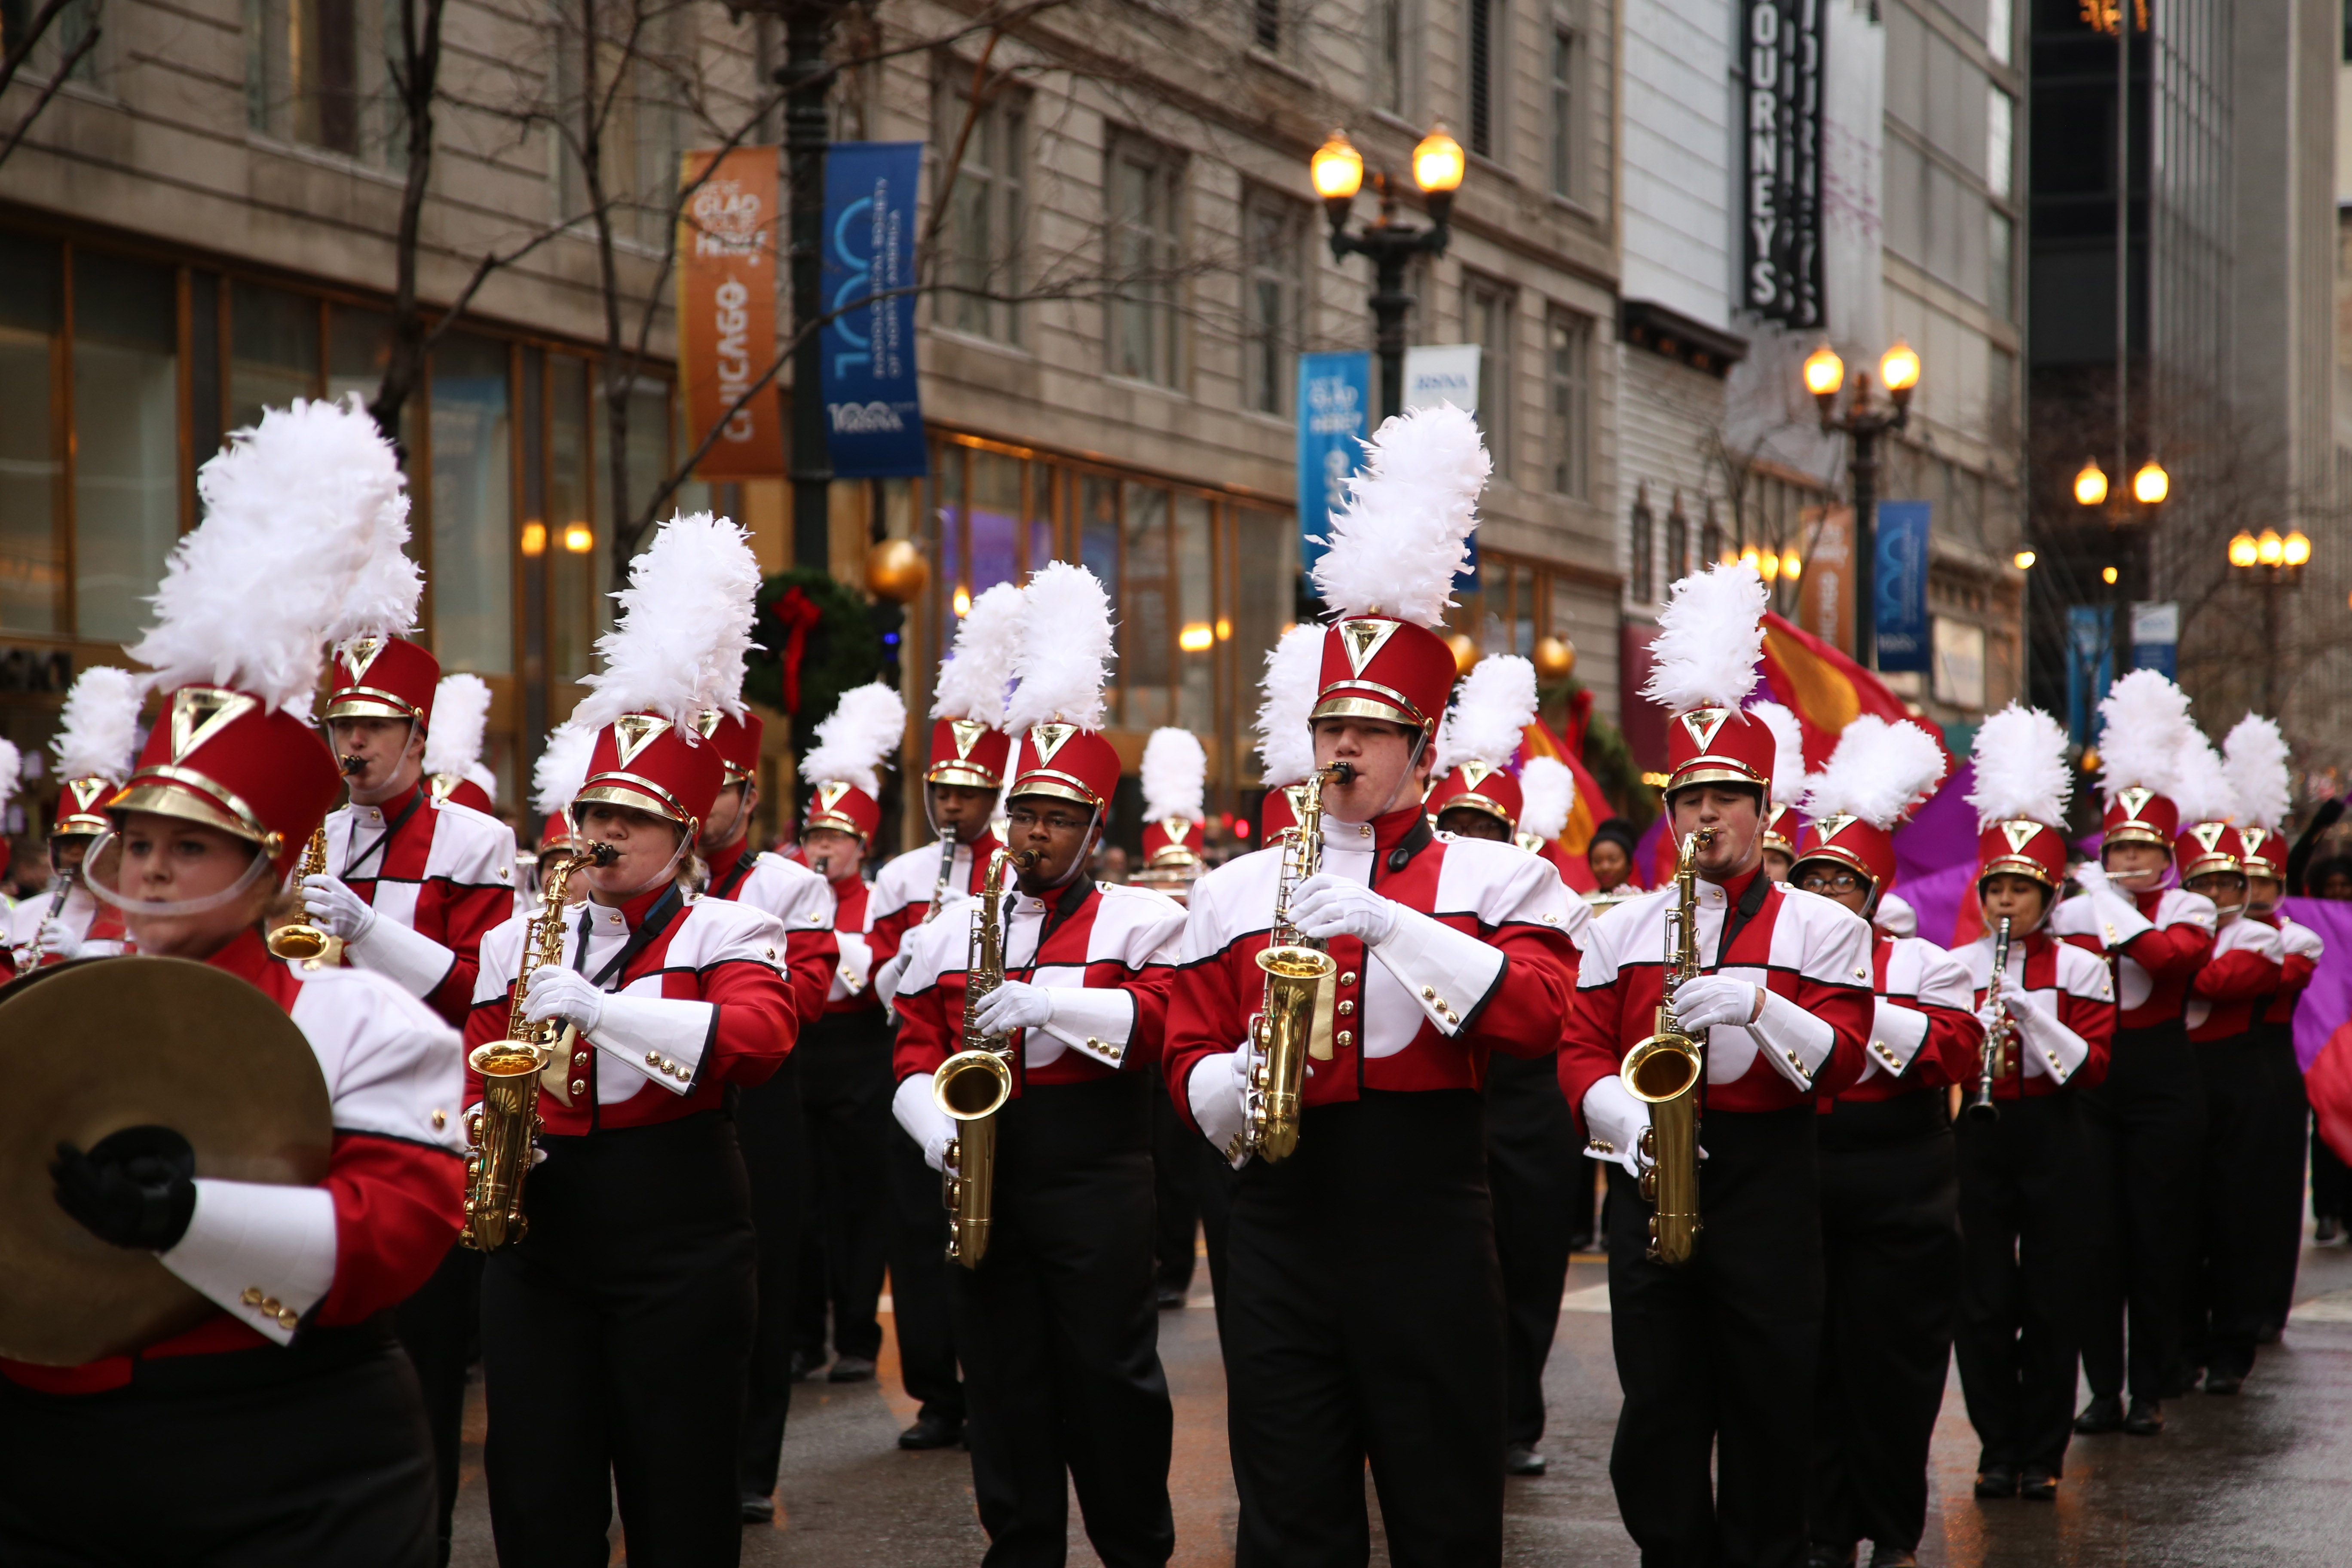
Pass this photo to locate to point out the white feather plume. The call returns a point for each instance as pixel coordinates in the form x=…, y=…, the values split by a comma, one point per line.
x=2145, y=729
x=1064, y=651
x=1546, y=796
x=1710, y=636
x=1878, y=772
x=2020, y=766
x=974, y=676
x=2256, y=755
x=461, y=710
x=98, y=733
x=1294, y=671
x=1491, y=711
x=1175, y=775
x=685, y=626
x=12, y=765
x=382, y=599
x=2201, y=786
x=867, y=724
x=562, y=768
x=294, y=508
x=1788, y=751
x=1398, y=540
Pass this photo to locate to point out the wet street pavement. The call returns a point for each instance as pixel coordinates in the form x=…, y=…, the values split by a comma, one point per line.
x=2264, y=1478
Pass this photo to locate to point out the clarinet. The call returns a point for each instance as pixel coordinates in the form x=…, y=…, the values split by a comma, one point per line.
x=29, y=957
x=1980, y=1106
x=947, y=869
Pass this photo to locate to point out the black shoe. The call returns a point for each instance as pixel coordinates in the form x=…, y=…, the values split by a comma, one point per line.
x=2146, y=1418
x=2039, y=1485
x=2268, y=1334
x=759, y=1508
x=1996, y=1481
x=2224, y=1382
x=1171, y=1296
x=1518, y=1460
x=805, y=1363
x=2103, y=1415
x=2324, y=1229
x=1893, y=1557
x=852, y=1369
x=1819, y=1556
x=931, y=1432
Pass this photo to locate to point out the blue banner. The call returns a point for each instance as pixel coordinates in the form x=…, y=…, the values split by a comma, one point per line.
x=2090, y=666
x=873, y=413
x=1335, y=406
x=1899, y=585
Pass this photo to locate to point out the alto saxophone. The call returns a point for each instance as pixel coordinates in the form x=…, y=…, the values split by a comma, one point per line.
x=972, y=1086
x=1297, y=968
x=500, y=1132
x=1663, y=1072
x=1995, y=1059
x=299, y=941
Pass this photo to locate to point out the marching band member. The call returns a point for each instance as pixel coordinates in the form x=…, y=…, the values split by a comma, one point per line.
x=555, y=781
x=1547, y=796
x=616, y=1332
x=293, y=1430
x=1286, y=746
x=2021, y=1222
x=2227, y=1282
x=2143, y=1125
x=1720, y=1352
x=1363, y=1313
x=1780, y=816
x=968, y=753
x=97, y=734
x=1535, y=1167
x=12, y=767
x=2255, y=755
x=1055, y=1322
x=453, y=747
x=1890, y=1231
x=1174, y=776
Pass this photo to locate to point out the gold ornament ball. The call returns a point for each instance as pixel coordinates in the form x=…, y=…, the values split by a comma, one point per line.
x=897, y=571
x=1555, y=659
x=1465, y=652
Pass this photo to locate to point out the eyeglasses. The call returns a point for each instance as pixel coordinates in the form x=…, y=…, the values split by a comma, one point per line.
x=1023, y=821
x=1832, y=882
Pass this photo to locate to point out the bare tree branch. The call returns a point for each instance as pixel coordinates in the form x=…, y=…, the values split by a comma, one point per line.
x=15, y=59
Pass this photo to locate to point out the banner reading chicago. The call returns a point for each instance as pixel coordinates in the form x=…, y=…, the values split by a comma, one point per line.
x=727, y=311
x=1781, y=65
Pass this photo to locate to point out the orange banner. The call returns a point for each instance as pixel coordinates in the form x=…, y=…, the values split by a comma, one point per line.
x=727, y=312
x=1825, y=598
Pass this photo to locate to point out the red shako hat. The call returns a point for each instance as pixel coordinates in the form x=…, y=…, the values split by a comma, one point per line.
x=2023, y=785
x=98, y=734
x=383, y=677
x=736, y=736
x=844, y=769
x=2207, y=840
x=1703, y=666
x=968, y=745
x=2255, y=758
x=1175, y=777
x=1481, y=734
x=1877, y=774
x=1061, y=660
x=2145, y=734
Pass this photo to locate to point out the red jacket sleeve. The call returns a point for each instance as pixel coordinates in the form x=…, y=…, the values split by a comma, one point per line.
x=458, y=918
x=1206, y=1017
x=927, y=1036
x=397, y=1208
x=754, y=1024
x=2094, y=1021
x=1589, y=1048
x=888, y=934
x=2295, y=973
x=1953, y=1051
x=811, y=957
x=1850, y=1012
x=1524, y=1015
x=2239, y=975
x=2169, y=950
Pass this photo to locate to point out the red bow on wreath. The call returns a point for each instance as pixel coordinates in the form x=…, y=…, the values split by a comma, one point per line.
x=798, y=613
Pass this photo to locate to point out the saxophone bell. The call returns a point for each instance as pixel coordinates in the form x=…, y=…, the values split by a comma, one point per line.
x=297, y=941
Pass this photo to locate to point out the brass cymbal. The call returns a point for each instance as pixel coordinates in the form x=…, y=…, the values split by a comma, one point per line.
x=91, y=1047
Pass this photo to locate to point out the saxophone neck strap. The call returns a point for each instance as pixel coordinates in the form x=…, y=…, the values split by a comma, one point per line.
x=1751, y=903
x=382, y=841
x=649, y=931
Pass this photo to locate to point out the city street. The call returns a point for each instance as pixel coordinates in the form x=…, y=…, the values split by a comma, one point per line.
x=2257, y=1479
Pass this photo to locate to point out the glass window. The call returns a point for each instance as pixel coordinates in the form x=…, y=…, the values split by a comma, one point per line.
x=126, y=377
x=1479, y=49
x=205, y=430
x=1998, y=26
x=1143, y=260
x=1570, y=368
x=1639, y=542
x=31, y=312
x=316, y=73
x=1677, y=543
x=982, y=237
x=2001, y=265
x=473, y=507
x=1565, y=141
x=359, y=348
x=273, y=351
x=2000, y=118
x=1196, y=635
x=1146, y=630
x=948, y=485
x=1486, y=321
x=572, y=574
x=1273, y=236
x=1265, y=589
x=1388, y=53
x=993, y=519
x=648, y=452
x=1098, y=532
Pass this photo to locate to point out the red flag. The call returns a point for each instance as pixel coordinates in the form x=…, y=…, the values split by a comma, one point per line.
x=1826, y=690
x=2328, y=1082
x=1588, y=811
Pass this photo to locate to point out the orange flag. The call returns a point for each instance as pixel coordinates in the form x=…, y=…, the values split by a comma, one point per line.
x=1589, y=811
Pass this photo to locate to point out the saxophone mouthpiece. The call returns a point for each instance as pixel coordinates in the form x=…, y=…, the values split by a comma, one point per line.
x=350, y=764
x=599, y=853
x=1343, y=773
x=1026, y=859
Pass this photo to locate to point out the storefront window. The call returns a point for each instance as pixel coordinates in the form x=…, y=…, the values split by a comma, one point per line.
x=359, y=347
x=992, y=520
x=126, y=464
x=1196, y=628
x=473, y=536
x=31, y=305
x=571, y=521
x=1147, y=602
x=1267, y=543
x=273, y=353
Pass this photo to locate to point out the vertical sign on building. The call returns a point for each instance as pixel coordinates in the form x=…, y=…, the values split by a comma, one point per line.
x=1335, y=400
x=873, y=410
x=1782, y=196
x=1899, y=584
x=2155, y=636
x=1436, y=373
x=1825, y=595
x=2090, y=665
x=727, y=311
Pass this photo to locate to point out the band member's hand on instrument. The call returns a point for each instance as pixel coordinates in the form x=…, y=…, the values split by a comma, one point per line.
x=1794, y=1041
x=2117, y=919
x=1217, y=1091
x=57, y=942
x=559, y=993
x=931, y=1129
x=135, y=1187
x=1613, y=1121
x=334, y=907
x=1327, y=906
x=1015, y=1006
x=2048, y=1048
x=1714, y=999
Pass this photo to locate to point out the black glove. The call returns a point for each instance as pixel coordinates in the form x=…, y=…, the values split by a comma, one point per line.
x=136, y=1188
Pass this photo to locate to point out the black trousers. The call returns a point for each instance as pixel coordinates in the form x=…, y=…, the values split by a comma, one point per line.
x=262, y=1459
x=2286, y=1133
x=2242, y=1210
x=1891, y=1264
x=1175, y=1208
x=2143, y=1144
x=617, y=1340
x=773, y=1136
x=1363, y=1321
x=441, y=1328
x=919, y=1279
x=846, y=1084
x=1537, y=1171
x=1716, y=1355
x=2021, y=1305
x=1060, y=1335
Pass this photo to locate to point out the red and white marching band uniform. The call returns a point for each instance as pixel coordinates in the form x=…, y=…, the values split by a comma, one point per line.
x=1720, y=1351
x=617, y=1334
x=2020, y=1217
x=2143, y=1126
x=1363, y=1317
x=1057, y=1325
x=296, y=1364
x=96, y=736
x=801, y=901
x=1889, y=1194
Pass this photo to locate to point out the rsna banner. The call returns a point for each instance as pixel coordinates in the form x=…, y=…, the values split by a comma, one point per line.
x=874, y=411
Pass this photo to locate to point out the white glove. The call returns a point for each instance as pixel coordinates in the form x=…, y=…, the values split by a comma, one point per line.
x=1325, y=906
x=2091, y=877
x=931, y=1129
x=1015, y=1004
x=1218, y=1094
x=1712, y=999
x=57, y=942
x=559, y=993
x=333, y=906
x=1615, y=1120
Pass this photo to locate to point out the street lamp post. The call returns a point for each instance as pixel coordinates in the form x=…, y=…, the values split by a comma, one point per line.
x=805, y=76
x=2275, y=565
x=2150, y=488
x=1862, y=424
x=1338, y=171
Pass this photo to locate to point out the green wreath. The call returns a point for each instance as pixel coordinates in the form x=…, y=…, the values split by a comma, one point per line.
x=816, y=641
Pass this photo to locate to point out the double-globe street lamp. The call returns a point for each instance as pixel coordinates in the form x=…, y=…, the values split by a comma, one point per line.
x=2274, y=565
x=1338, y=171
x=2151, y=487
x=1864, y=423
